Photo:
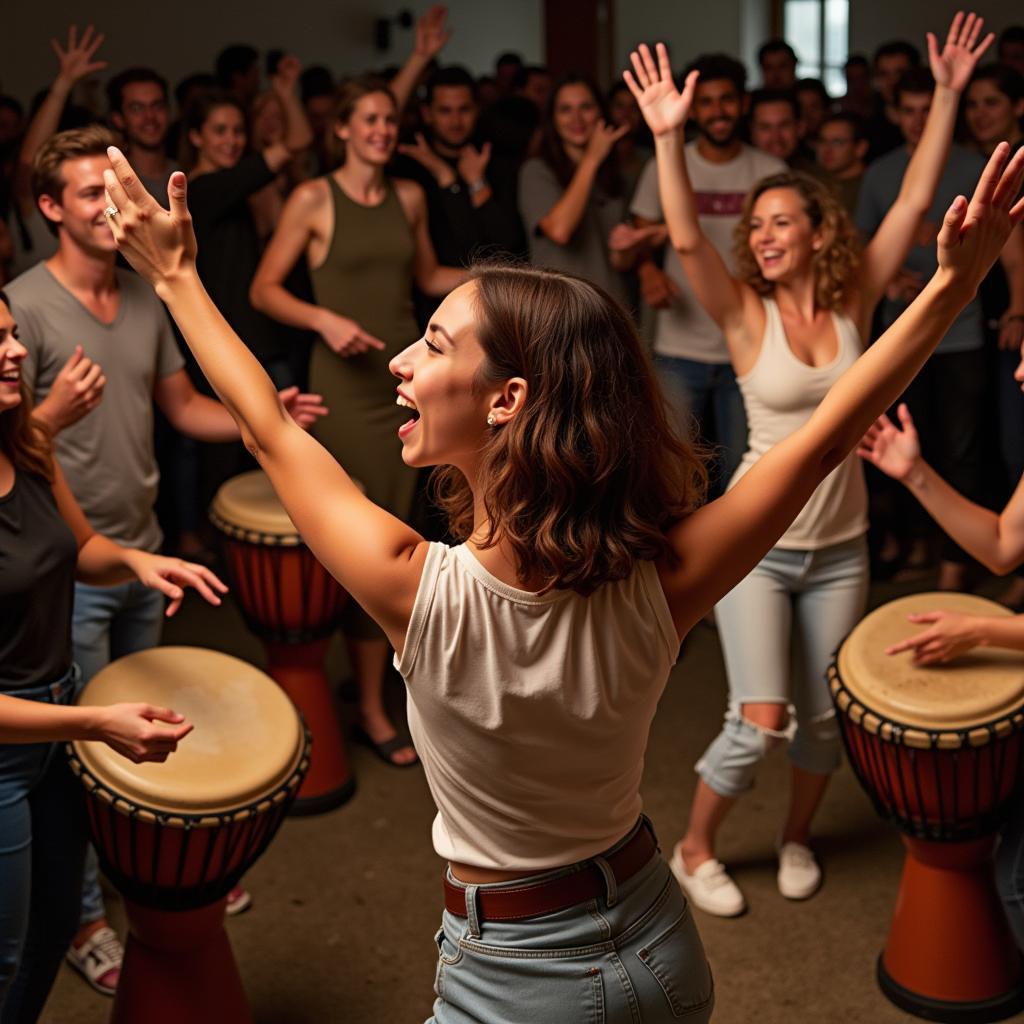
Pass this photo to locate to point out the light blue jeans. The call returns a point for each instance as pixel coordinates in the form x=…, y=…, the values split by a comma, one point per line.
x=631, y=956
x=707, y=396
x=42, y=844
x=814, y=598
x=107, y=624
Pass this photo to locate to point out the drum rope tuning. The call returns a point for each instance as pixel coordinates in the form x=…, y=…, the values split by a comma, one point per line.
x=236, y=839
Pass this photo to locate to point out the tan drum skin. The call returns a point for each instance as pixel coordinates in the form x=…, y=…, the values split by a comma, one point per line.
x=984, y=686
x=247, y=508
x=247, y=740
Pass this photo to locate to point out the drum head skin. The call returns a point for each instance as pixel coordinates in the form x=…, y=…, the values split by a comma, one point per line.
x=247, y=740
x=247, y=504
x=984, y=685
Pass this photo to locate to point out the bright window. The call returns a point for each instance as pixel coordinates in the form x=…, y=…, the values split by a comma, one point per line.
x=819, y=31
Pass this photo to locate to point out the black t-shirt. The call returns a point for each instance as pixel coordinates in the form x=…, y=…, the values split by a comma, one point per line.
x=229, y=248
x=38, y=554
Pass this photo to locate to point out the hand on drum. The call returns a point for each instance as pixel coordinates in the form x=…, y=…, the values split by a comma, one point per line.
x=134, y=730
x=303, y=408
x=171, y=575
x=951, y=634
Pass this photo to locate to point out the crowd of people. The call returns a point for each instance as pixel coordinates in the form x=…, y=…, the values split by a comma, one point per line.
x=781, y=266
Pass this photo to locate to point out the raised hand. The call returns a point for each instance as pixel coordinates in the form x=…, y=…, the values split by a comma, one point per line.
x=973, y=234
x=171, y=575
x=950, y=635
x=664, y=107
x=954, y=66
x=76, y=57
x=473, y=162
x=344, y=336
x=303, y=408
x=895, y=452
x=602, y=141
x=286, y=78
x=135, y=732
x=432, y=32
x=420, y=151
x=657, y=289
x=160, y=244
x=77, y=390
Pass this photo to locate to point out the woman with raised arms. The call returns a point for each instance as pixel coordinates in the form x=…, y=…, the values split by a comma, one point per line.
x=795, y=317
x=534, y=653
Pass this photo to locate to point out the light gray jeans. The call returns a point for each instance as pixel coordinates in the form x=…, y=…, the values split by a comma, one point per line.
x=630, y=956
x=812, y=598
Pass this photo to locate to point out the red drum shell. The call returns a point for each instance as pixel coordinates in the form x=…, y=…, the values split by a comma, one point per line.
x=285, y=594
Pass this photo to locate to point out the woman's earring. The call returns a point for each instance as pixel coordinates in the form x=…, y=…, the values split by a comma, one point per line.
x=491, y=420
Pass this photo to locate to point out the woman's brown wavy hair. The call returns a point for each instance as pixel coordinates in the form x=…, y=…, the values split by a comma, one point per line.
x=834, y=263
x=25, y=442
x=585, y=480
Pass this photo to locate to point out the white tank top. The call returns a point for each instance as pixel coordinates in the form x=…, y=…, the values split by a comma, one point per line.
x=530, y=712
x=780, y=394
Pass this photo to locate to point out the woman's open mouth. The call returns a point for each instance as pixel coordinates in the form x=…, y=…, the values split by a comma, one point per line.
x=406, y=428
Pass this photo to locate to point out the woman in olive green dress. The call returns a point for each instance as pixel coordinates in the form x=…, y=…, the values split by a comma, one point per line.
x=366, y=241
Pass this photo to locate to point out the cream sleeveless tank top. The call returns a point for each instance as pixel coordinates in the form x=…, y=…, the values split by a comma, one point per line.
x=780, y=394
x=530, y=712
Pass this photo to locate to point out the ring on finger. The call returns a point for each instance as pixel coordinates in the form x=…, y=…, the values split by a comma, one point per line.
x=111, y=211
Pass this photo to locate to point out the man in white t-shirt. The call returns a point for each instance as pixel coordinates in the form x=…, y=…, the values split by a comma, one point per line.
x=690, y=353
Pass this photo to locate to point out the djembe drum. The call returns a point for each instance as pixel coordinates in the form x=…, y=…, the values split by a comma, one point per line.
x=292, y=603
x=176, y=837
x=940, y=752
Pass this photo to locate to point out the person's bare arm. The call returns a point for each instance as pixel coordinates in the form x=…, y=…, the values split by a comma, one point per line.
x=665, y=109
x=373, y=554
x=888, y=248
x=951, y=634
x=294, y=232
x=559, y=224
x=432, y=278
x=720, y=543
x=1011, y=323
x=298, y=135
x=75, y=61
x=101, y=562
x=432, y=33
x=994, y=539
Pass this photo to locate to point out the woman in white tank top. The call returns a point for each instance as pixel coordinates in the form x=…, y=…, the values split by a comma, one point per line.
x=534, y=653
x=794, y=317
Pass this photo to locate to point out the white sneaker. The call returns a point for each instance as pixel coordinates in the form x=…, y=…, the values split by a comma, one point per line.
x=799, y=874
x=709, y=887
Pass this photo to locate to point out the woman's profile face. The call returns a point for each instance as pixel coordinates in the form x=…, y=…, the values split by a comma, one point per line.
x=221, y=139
x=437, y=386
x=576, y=113
x=782, y=237
x=371, y=132
x=12, y=356
x=990, y=114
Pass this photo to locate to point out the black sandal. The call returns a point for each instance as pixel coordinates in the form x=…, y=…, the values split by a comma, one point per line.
x=386, y=749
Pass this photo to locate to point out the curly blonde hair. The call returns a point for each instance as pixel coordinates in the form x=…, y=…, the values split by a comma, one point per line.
x=835, y=263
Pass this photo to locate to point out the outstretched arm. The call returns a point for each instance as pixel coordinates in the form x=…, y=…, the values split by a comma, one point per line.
x=952, y=70
x=75, y=62
x=374, y=555
x=432, y=33
x=720, y=543
x=665, y=110
x=994, y=539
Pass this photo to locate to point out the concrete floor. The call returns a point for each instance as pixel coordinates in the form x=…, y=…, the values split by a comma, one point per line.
x=346, y=904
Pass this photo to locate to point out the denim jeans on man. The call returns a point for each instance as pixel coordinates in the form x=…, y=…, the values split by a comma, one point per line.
x=705, y=396
x=42, y=844
x=107, y=624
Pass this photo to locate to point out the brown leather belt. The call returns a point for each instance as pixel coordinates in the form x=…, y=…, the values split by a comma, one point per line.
x=522, y=901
